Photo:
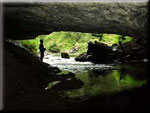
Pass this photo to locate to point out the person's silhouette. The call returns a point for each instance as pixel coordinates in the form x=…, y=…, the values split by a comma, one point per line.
x=42, y=49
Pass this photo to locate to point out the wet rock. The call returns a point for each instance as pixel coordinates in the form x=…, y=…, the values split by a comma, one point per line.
x=46, y=57
x=65, y=55
x=98, y=47
x=83, y=57
x=73, y=83
x=101, y=53
x=97, y=53
x=66, y=81
x=66, y=76
x=54, y=69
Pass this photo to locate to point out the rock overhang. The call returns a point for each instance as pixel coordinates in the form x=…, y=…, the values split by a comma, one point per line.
x=28, y=20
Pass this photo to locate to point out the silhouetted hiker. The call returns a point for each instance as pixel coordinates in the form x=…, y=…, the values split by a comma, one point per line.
x=42, y=49
x=121, y=46
x=120, y=43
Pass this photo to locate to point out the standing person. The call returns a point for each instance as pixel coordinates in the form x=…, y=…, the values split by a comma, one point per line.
x=121, y=46
x=42, y=49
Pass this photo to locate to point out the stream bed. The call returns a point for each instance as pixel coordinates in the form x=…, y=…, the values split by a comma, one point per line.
x=98, y=79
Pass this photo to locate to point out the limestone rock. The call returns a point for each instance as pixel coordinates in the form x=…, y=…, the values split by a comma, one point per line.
x=24, y=21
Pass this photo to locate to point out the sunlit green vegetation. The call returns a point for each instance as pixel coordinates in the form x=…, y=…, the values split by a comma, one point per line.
x=71, y=42
x=110, y=39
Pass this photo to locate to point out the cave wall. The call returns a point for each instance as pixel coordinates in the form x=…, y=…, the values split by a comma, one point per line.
x=27, y=20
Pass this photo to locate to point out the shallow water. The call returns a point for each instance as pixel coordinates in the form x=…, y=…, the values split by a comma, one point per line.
x=74, y=66
x=99, y=79
x=103, y=84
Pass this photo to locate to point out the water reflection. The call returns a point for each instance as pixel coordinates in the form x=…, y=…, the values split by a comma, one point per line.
x=104, y=83
x=98, y=79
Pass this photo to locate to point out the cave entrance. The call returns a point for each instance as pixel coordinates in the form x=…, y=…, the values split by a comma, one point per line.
x=73, y=43
x=77, y=51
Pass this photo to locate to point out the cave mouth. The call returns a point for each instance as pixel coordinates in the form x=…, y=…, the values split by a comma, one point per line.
x=110, y=76
x=73, y=43
x=78, y=49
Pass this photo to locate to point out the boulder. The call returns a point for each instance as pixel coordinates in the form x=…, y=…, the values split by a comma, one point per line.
x=97, y=53
x=83, y=57
x=98, y=48
x=65, y=55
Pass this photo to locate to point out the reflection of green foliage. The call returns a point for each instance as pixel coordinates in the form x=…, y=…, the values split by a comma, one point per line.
x=66, y=41
x=116, y=75
x=63, y=72
x=51, y=84
x=130, y=82
x=108, y=84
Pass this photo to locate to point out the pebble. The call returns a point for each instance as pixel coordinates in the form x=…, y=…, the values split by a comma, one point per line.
x=145, y=60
